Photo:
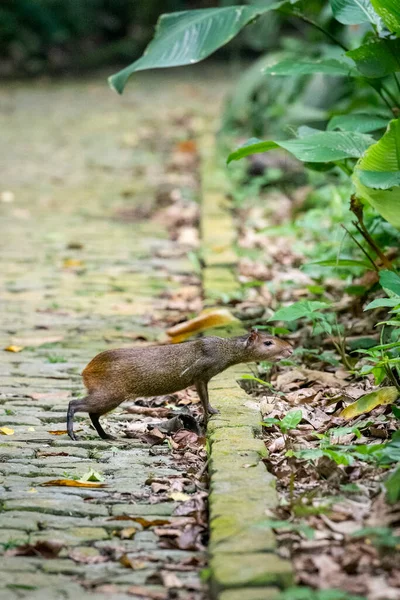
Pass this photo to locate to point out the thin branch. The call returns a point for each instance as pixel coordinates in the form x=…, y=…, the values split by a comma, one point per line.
x=361, y=248
x=365, y=233
x=317, y=26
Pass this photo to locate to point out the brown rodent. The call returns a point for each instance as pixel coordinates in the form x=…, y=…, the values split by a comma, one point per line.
x=127, y=373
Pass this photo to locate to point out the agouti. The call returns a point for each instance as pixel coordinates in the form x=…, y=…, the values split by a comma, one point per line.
x=127, y=373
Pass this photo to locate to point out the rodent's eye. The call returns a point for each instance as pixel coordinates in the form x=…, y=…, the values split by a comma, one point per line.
x=269, y=343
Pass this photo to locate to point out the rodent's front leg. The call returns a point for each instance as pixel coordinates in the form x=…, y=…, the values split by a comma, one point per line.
x=202, y=390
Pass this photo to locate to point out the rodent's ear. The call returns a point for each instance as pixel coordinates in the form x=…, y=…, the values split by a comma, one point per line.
x=253, y=337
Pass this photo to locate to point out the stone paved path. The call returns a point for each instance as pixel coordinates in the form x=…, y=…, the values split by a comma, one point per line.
x=78, y=276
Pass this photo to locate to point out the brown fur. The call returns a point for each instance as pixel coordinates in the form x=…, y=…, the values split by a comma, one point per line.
x=127, y=373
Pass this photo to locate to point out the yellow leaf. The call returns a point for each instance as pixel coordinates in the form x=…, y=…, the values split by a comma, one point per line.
x=207, y=319
x=127, y=533
x=6, y=431
x=32, y=491
x=179, y=496
x=132, y=563
x=385, y=395
x=73, y=483
x=58, y=432
x=14, y=348
x=71, y=263
x=31, y=429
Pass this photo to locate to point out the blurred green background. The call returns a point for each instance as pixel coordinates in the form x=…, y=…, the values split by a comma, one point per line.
x=38, y=36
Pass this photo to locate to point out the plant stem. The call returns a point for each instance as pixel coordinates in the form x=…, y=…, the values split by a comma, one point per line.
x=344, y=168
x=365, y=233
x=390, y=95
x=379, y=92
x=357, y=209
x=317, y=26
x=361, y=248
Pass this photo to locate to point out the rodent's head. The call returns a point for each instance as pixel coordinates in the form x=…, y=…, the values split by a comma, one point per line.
x=262, y=346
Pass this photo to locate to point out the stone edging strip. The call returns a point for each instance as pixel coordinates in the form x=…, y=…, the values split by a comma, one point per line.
x=243, y=562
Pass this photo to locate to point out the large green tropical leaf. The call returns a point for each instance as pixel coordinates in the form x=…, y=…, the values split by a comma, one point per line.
x=389, y=11
x=329, y=66
x=379, y=180
x=381, y=157
x=353, y=12
x=360, y=122
x=325, y=146
x=377, y=59
x=187, y=37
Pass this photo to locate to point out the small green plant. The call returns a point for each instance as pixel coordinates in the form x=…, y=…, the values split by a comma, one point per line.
x=380, y=536
x=11, y=544
x=392, y=486
x=384, y=359
x=303, y=528
x=322, y=322
x=306, y=593
x=289, y=421
x=53, y=358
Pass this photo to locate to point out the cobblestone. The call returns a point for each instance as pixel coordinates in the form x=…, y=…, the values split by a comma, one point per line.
x=78, y=278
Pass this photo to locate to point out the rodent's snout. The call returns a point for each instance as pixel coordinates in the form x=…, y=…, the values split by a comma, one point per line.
x=288, y=351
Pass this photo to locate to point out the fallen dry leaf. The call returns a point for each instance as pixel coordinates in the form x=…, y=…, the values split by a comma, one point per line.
x=80, y=557
x=6, y=431
x=38, y=341
x=385, y=395
x=179, y=496
x=128, y=533
x=146, y=592
x=132, y=563
x=42, y=454
x=43, y=548
x=206, y=320
x=72, y=263
x=170, y=580
x=73, y=483
x=14, y=348
x=187, y=146
x=146, y=523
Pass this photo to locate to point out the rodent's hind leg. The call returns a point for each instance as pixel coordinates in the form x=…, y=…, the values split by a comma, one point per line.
x=73, y=407
x=96, y=423
x=202, y=390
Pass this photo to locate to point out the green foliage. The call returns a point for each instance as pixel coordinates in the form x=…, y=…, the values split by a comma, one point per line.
x=60, y=34
x=390, y=281
x=360, y=122
x=377, y=59
x=328, y=66
x=389, y=11
x=384, y=358
x=289, y=421
x=380, y=536
x=392, y=485
x=353, y=12
x=190, y=36
x=298, y=310
x=187, y=37
x=307, y=531
x=306, y=593
x=320, y=147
